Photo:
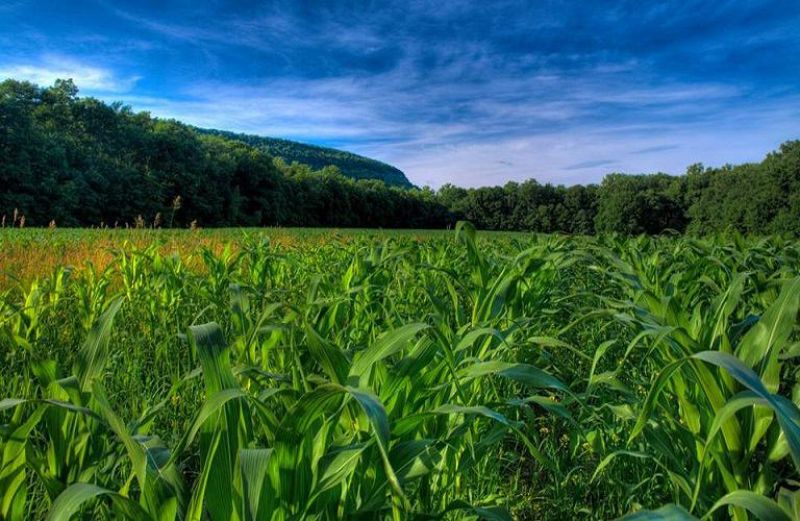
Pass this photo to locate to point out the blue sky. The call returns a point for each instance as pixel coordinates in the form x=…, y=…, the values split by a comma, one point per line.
x=473, y=93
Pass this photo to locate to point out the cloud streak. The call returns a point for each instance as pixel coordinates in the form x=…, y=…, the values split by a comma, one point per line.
x=593, y=163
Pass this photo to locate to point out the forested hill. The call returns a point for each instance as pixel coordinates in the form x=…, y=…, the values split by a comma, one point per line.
x=351, y=165
x=74, y=161
x=77, y=161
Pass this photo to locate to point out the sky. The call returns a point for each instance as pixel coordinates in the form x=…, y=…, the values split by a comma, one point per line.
x=449, y=91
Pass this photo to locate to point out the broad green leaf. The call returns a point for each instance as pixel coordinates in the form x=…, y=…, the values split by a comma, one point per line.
x=388, y=344
x=254, y=466
x=331, y=358
x=93, y=355
x=762, y=344
x=70, y=501
x=339, y=464
x=763, y=508
x=651, y=400
x=523, y=373
x=787, y=413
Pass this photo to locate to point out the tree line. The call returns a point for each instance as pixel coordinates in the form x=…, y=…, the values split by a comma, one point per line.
x=77, y=161
x=81, y=162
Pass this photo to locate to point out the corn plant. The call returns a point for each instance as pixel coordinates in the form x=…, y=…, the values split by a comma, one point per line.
x=313, y=374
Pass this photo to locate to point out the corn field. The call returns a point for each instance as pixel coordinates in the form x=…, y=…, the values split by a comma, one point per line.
x=380, y=375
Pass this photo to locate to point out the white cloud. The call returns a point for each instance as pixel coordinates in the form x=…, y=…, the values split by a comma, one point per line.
x=440, y=128
x=500, y=138
x=87, y=77
x=551, y=157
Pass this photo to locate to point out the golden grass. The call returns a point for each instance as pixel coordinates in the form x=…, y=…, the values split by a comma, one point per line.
x=29, y=254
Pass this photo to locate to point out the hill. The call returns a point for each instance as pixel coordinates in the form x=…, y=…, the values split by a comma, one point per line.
x=77, y=161
x=82, y=162
x=351, y=165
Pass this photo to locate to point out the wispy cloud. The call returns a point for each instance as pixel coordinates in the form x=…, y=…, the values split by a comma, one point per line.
x=49, y=68
x=657, y=148
x=593, y=163
x=447, y=90
x=555, y=137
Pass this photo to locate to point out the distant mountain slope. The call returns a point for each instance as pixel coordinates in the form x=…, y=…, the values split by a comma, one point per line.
x=351, y=165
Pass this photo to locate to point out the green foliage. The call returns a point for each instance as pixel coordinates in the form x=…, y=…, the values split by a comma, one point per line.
x=638, y=204
x=317, y=158
x=80, y=162
x=405, y=376
x=525, y=206
x=758, y=198
x=754, y=199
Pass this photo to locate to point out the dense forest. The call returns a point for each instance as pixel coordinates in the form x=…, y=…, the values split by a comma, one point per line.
x=761, y=198
x=81, y=162
x=351, y=165
x=75, y=161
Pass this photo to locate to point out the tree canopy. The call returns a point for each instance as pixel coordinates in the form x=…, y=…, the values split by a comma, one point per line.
x=350, y=165
x=82, y=162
